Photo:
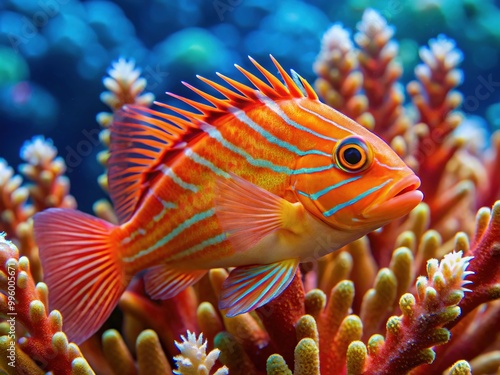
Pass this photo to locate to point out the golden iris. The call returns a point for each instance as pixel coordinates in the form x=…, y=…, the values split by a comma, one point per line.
x=352, y=154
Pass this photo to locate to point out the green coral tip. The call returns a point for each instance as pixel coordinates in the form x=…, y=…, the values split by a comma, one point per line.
x=394, y=325
x=79, y=366
x=407, y=303
x=356, y=356
x=460, y=368
x=375, y=343
x=276, y=365
x=37, y=311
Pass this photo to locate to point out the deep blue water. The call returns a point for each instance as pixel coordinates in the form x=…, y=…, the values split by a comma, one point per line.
x=54, y=54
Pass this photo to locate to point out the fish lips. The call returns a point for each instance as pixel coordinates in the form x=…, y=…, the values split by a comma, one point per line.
x=399, y=200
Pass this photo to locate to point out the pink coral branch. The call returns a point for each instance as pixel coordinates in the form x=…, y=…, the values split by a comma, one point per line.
x=380, y=73
x=435, y=100
x=467, y=344
x=490, y=191
x=409, y=338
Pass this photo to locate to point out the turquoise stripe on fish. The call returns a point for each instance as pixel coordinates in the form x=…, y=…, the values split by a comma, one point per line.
x=256, y=284
x=166, y=206
x=389, y=167
x=170, y=173
x=173, y=233
x=338, y=207
x=215, y=134
x=328, y=189
x=199, y=247
x=273, y=106
x=240, y=115
x=206, y=163
x=317, y=115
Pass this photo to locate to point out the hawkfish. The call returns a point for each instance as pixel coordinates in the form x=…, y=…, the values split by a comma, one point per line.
x=258, y=181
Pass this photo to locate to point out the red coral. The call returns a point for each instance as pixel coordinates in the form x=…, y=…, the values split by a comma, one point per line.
x=40, y=340
x=486, y=264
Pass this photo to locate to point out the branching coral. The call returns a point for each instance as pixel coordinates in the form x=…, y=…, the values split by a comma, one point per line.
x=18, y=202
x=327, y=331
x=339, y=82
x=115, y=358
x=380, y=74
x=32, y=342
x=193, y=359
x=409, y=338
x=435, y=99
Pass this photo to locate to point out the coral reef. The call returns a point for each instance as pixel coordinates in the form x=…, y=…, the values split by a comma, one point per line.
x=31, y=341
x=366, y=309
x=48, y=187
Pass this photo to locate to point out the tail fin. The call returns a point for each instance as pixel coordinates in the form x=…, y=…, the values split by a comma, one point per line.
x=82, y=268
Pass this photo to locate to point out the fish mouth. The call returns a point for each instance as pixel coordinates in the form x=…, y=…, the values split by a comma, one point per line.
x=399, y=200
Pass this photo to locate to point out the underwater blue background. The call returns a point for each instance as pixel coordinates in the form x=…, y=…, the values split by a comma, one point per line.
x=54, y=54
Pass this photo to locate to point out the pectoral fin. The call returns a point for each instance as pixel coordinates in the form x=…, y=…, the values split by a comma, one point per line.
x=250, y=287
x=249, y=213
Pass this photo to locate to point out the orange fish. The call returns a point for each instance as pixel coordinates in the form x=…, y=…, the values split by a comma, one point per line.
x=261, y=181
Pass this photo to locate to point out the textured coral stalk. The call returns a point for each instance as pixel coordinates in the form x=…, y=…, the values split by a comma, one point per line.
x=490, y=191
x=40, y=344
x=380, y=73
x=329, y=323
x=15, y=212
x=471, y=337
x=280, y=316
x=339, y=82
x=48, y=188
x=486, y=264
x=435, y=99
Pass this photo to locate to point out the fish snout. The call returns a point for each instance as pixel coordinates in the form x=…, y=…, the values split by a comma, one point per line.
x=398, y=200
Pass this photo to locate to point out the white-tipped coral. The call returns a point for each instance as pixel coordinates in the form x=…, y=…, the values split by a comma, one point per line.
x=450, y=272
x=339, y=82
x=49, y=188
x=125, y=86
x=441, y=51
x=373, y=26
x=193, y=359
x=381, y=70
x=38, y=151
x=336, y=38
x=19, y=201
x=32, y=340
x=422, y=323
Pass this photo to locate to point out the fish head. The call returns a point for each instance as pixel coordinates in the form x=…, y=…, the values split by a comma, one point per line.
x=366, y=186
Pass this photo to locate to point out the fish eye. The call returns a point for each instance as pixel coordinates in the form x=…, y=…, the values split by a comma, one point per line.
x=352, y=154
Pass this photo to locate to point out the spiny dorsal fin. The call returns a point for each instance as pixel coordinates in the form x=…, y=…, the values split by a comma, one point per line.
x=141, y=138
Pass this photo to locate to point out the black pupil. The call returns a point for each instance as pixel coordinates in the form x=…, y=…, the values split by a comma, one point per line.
x=352, y=155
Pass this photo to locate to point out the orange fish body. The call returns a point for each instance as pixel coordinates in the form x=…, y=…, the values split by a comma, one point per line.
x=261, y=181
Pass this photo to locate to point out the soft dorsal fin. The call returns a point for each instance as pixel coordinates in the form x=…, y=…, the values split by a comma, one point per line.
x=142, y=138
